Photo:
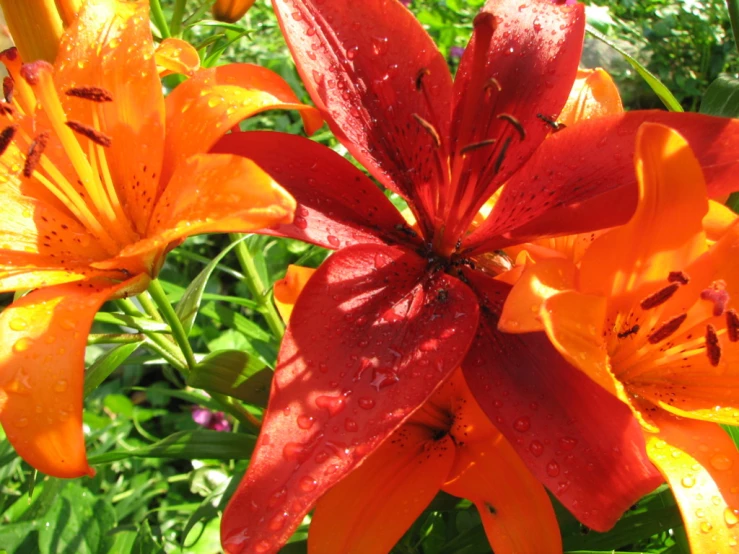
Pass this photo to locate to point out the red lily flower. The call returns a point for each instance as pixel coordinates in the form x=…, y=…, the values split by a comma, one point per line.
x=387, y=318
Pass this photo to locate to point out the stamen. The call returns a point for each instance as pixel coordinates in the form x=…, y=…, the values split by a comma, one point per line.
x=6, y=136
x=476, y=145
x=713, y=349
x=499, y=159
x=659, y=297
x=717, y=294
x=7, y=109
x=34, y=153
x=492, y=82
x=515, y=122
x=428, y=128
x=678, y=277
x=8, y=88
x=667, y=329
x=420, y=75
x=732, y=325
x=95, y=94
x=93, y=134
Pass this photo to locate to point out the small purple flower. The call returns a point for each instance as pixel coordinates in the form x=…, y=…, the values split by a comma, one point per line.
x=215, y=421
x=455, y=52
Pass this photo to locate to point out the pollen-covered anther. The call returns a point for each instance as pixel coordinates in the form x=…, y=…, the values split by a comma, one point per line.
x=678, y=277
x=93, y=134
x=666, y=329
x=420, y=75
x=476, y=146
x=35, y=152
x=732, y=325
x=660, y=297
x=8, y=88
x=6, y=136
x=94, y=94
x=428, y=128
x=31, y=72
x=515, y=122
x=7, y=109
x=713, y=348
x=717, y=294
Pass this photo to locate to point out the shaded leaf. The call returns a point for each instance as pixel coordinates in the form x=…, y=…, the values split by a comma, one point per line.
x=107, y=364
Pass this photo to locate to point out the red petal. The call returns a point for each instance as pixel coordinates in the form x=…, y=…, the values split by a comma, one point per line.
x=520, y=63
x=583, y=177
x=337, y=204
x=361, y=63
x=368, y=342
x=581, y=442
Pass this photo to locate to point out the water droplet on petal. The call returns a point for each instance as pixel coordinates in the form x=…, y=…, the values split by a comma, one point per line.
x=332, y=404
x=522, y=424
x=721, y=462
x=308, y=484
x=567, y=443
x=22, y=344
x=687, y=481
x=333, y=241
x=60, y=385
x=552, y=469
x=366, y=403
x=706, y=527
x=731, y=517
x=536, y=448
x=305, y=422
x=351, y=425
x=18, y=324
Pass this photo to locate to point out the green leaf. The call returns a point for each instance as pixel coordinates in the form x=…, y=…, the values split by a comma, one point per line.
x=188, y=445
x=145, y=543
x=140, y=323
x=655, y=84
x=107, y=364
x=234, y=320
x=722, y=97
x=187, y=307
x=232, y=373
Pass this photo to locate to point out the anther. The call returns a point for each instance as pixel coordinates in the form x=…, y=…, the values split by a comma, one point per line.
x=717, y=294
x=476, y=145
x=428, y=128
x=94, y=135
x=667, y=329
x=6, y=136
x=713, y=349
x=501, y=156
x=6, y=109
x=95, y=94
x=492, y=83
x=419, y=77
x=659, y=297
x=34, y=153
x=31, y=71
x=732, y=325
x=678, y=277
x=515, y=122
x=8, y=88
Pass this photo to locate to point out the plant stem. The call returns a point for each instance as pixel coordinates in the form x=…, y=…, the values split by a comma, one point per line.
x=178, y=331
x=149, y=307
x=114, y=338
x=258, y=289
x=157, y=16
x=177, y=12
x=236, y=410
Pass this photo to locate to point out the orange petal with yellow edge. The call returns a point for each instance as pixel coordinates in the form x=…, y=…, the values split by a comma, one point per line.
x=214, y=193
x=287, y=290
x=594, y=94
x=538, y=282
x=718, y=220
x=205, y=107
x=665, y=233
x=42, y=352
x=514, y=507
x=110, y=46
x=701, y=464
x=174, y=55
x=376, y=503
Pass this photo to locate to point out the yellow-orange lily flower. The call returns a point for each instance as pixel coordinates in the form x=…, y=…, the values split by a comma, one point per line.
x=100, y=176
x=231, y=10
x=650, y=314
x=448, y=444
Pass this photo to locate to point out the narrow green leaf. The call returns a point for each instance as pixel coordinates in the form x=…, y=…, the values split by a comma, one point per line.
x=187, y=307
x=722, y=97
x=145, y=542
x=234, y=320
x=140, y=323
x=107, y=364
x=230, y=372
x=188, y=445
x=654, y=83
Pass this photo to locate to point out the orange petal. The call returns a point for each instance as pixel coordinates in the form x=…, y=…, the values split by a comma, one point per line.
x=231, y=10
x=594, y=94
x=203, y=108
x=36, y=27
x=514, y=507
x=665, y=233
x=718, y=220
x=701, y=464
x=538, y=282
x=287, y=290
x=110, y=46
x=214, y=193
x=174, y=55
x=374, y=505
x=42, y=350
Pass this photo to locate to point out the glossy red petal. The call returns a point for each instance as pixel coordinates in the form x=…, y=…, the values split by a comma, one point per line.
x=337, y=204
x=583, y=177
x=369, y=340
x=519, y=67
x=374, y=71
x=581, y=442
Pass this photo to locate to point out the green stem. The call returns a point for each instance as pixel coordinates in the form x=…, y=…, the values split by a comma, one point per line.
x=177, y=13
x=178, y=331
x=157, y=16
x=236, y=410
x=258, y=289
x=733, y=6
x=114, y=338
x=149, y=307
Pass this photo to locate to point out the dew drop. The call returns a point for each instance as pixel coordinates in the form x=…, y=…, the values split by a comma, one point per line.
x=351, y=425
x=305, y=422
x=60, y=385
x=332, y=404
x=522, y=424
x=721, y=462
x=293, y=451
x=567, y=443
x=536, y=448
x=552, y=469
x=731, y=517
x=706, y=527
x=300, y=222
x=262, y=547
x=687, y=481
x=308, y=484
x=333, y=241
x=366, y=403
x=379, y=46
x=21, y=345
x=278, y=521
x=18, y=324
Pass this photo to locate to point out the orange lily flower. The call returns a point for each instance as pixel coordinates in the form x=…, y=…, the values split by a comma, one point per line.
x=231, y=10
x=448, y=444
x=650, y=314
x=100, y=178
